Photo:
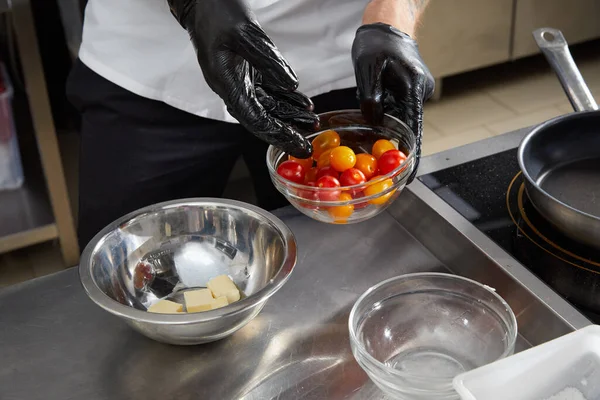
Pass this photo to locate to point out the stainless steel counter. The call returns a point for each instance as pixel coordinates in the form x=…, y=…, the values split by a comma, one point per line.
x=56, y=344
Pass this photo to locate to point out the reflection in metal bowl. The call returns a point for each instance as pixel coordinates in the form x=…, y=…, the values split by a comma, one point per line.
x=163, y=250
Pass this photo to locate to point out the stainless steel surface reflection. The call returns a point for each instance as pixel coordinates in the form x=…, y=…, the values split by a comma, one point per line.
x=56, y=344
x=161, y=251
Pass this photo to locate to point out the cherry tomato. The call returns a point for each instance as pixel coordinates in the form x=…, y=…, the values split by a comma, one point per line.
x=358, y=195
x=307, y=163
x=379, y=185
x=292, y=171
x=142, y=275
x=328, y=182
x=341, y=213
x=325, y=141
x=342, y=158
x=324, y=159
x=381, y=146
x=390, y=160
x=311, y=175
x=327, y=171
x=351, y=177
x=308, y=194
x=367, y=164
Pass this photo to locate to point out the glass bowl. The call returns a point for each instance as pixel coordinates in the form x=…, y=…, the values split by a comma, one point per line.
x=414, y=333
x=359, y=136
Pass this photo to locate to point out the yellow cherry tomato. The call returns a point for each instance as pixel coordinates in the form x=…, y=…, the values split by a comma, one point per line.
x=342, y=158
x=340, y=214
x=381, y=146
x=324, y=159
x=306, y=163
x=325, y=141
x=378, y=186
x=367, y=164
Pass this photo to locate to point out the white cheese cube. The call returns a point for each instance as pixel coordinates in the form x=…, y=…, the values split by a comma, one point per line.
x=219, y=302
x=198, y=300
x=223, y=286
x=165, y=307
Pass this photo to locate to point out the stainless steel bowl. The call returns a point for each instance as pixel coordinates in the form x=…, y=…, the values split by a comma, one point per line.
x=163, y=250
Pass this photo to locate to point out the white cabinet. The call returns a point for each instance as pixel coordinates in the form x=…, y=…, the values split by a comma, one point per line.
x=461, y=35
x=579, y=20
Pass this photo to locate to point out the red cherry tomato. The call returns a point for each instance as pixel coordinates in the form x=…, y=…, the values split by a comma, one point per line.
x=142, y=275
x=342, y=158
x=311, y=175
x=351, y=177
x=367, y=164
x=327, y=171
x=381, y=146
x=308, y=194
x=307, y=163
x=390, y=160
x=379, y=185
x=328, y=182
x=341, y=213
x=358, y=195
x=325, y=141
x=292, y=171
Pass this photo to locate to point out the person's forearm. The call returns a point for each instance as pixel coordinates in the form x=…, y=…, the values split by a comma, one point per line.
x=401, y=14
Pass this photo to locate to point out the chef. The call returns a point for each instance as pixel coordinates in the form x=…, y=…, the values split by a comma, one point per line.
x=173, y=92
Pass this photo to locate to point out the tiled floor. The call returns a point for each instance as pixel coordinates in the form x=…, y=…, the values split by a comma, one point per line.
x=474, y=106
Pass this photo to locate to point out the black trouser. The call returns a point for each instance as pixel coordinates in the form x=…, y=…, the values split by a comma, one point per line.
x=136, y=152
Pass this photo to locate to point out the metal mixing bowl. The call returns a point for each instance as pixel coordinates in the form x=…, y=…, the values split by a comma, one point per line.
x=163, y=250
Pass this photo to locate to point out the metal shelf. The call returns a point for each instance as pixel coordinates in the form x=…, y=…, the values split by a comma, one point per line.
x=40, y=210
x=26, y=217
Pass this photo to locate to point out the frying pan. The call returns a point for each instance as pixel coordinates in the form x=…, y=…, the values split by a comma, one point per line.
x=560, y=158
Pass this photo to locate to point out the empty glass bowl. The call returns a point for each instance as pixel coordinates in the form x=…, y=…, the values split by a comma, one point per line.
x=414, y=333
x=323, y=204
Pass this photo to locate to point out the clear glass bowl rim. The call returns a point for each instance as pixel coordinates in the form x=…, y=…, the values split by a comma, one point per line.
x=411, y=155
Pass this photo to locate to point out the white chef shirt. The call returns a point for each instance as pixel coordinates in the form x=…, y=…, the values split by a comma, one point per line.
x=140, y=46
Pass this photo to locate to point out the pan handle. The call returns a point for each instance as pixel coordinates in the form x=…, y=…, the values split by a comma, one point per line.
x=554, y=46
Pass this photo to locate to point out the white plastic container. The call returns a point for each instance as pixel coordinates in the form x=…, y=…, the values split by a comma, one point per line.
x=11, y=170
x=567, y=368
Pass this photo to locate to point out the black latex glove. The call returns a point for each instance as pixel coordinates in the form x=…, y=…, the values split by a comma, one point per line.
x=391, y=78
x=243, y=66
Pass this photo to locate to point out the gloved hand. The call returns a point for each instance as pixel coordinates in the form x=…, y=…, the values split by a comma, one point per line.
x=242, y=65
x=391, y=77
